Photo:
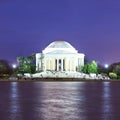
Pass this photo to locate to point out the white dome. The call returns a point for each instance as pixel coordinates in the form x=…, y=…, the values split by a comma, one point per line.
x=60, y=46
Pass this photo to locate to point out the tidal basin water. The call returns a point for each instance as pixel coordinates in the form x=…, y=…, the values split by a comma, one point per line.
x=60, y=101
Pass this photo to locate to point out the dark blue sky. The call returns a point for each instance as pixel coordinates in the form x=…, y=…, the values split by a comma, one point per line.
x=91, y=26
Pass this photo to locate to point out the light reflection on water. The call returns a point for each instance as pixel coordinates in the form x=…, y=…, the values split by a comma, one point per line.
x=107, y=105
x=59, y=101
x=14, y=102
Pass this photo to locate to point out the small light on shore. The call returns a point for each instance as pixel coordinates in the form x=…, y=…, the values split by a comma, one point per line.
x=106, y=65
x=14, y=66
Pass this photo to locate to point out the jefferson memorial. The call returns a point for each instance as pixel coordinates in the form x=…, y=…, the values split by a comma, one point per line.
x=59, y=56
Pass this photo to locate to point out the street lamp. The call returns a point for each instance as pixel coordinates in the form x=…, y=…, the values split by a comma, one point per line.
x=14, y=66
x=106, y=66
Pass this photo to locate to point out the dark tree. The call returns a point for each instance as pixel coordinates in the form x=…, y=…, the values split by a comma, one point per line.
x=115, y=67
x=26, y=64
x=5, y=67
x=102, y=69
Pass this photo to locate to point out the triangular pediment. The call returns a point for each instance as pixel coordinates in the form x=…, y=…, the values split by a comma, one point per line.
x=59, y=52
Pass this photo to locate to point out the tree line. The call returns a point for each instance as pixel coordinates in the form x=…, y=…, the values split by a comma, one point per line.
x=27, y=65
x=5, y=69
x=113, y=71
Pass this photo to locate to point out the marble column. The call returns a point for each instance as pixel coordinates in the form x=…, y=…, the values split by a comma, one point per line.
x=44, y=64
x=74, y=64
x=70, y=65
x=48, y=64
x=57, y=64
x=66, y=65
x=61, y=64
x=52, y=64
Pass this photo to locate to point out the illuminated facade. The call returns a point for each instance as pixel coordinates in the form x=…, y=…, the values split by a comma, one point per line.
x=59, y=56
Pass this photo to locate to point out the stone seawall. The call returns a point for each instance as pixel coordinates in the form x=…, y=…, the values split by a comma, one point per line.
x=58, y=80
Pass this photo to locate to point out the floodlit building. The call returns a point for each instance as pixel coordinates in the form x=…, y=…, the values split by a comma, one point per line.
x=59, y=56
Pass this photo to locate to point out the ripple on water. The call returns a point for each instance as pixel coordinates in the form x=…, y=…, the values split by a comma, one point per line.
x=59, y=101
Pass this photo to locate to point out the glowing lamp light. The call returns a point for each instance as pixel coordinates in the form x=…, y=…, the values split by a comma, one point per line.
x=106, y=65
x=14, y=66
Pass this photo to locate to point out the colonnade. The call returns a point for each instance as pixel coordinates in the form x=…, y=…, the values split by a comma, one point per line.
x=60, y=64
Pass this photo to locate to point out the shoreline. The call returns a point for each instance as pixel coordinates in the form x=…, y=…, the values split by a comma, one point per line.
x=58, y=80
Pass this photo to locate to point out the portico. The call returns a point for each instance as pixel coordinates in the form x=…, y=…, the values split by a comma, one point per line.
x=59, y=56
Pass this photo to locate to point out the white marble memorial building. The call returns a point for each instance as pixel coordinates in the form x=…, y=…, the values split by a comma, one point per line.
x=59, y=56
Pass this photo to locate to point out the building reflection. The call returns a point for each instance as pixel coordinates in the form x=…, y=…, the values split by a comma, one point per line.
x=60, y=101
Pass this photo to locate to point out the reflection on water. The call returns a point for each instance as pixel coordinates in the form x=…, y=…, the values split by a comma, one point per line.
x=14, y=102
x=59, y=101
x=107, y=105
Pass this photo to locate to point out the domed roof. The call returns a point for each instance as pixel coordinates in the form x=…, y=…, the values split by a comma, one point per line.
x=60, y=46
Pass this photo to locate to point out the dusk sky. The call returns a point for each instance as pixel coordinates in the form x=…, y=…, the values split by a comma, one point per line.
x=91, y=26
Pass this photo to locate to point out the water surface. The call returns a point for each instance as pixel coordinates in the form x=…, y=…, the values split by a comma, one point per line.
x=59, y=101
